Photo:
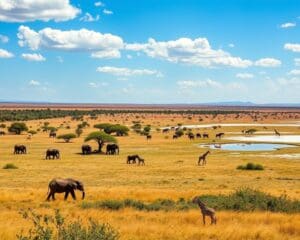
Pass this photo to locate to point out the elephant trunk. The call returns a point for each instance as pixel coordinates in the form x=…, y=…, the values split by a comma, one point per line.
x=83, y=194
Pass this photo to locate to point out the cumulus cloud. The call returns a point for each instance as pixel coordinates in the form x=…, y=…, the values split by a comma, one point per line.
x=33, y=57
x=72, y=40
x=114, y=53
x=244, y=75
x=199, y=84
x=107, y=12
x=89, y=18
x=189, y=51
x=268, y=62
x=99, y=4
x=4, y=39
x=97, y=85
x=294, y=47
x=288, y=25
x=5, y=54
x=294, y=72
x=34, y=83
x=127, y=72
x=31, y=10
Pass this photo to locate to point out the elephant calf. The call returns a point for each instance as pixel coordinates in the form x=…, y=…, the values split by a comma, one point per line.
x=68, y=185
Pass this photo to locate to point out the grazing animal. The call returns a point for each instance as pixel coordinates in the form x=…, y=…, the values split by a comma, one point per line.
x=141, y=161
x=112, y=149
x=148, y=137
x=198, y=135
x=205, y=135
x=175, y=136
x=59, y=185
x=277, y=133
x=203, y=158
x=206, y=211
x=86, y=149
x=2, y=133
x=52, y=153
x=219, y=135
x=165, y=130
x=131, y=159
x=52, y=134
x=20, y=149
x=191, y=136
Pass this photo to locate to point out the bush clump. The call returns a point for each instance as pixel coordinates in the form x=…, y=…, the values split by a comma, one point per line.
x=48, y=227
x=250, y=166
x=10, y=166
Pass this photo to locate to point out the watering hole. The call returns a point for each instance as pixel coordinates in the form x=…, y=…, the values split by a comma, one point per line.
x=247, y=146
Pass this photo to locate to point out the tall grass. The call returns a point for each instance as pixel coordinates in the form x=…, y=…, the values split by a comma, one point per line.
x=241, y=200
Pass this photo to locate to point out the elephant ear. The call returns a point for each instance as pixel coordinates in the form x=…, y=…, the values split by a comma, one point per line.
x=73, y=185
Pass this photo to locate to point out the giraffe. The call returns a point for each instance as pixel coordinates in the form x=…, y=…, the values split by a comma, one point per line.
x=206, y=211
x=203, y=158
x=277, y=133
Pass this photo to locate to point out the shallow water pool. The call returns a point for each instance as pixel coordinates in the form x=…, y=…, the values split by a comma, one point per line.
x=247, y=146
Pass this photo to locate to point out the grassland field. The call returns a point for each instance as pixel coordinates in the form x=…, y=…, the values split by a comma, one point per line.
x=170, y=172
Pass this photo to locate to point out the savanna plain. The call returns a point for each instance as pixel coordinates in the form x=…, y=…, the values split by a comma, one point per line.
x=170, y=172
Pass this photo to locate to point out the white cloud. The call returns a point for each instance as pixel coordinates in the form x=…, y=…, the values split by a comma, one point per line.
x=268, y=62
x=199, y=84
x=73, y=40
x=188, y=51
x=288, y=25
x=114, y=53
x=294, y=47
x=99, y=4
x=294, y=72
x=107, y=12
x=31, y=10
x=231, y=45
x=5, y=54
x=4, y=39
x=89, y=18
x=34, y=83
x=244, y=75
x=297, y=62
x=126, y=72
x=33, y=57
x=97, y=85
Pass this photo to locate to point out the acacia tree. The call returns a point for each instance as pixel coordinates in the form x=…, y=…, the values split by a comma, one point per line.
x=67, y=137
x=118, y=129
x=18, y=127
x=101, y=138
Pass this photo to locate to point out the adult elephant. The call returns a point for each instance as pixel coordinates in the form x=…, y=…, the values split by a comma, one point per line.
x=86, y=149
x=52, y=153
x=68, y=185
x=20, y=149
x=52, y=134
x=112, y=149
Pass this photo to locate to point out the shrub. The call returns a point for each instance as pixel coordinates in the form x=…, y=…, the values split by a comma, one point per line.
x=67, y=137
x=47, y=227
x=17, y=127
x=250, y=166
x=32, y=132
x=10, y=166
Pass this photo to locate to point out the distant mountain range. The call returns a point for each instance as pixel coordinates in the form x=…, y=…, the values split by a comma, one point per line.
x=214, y=104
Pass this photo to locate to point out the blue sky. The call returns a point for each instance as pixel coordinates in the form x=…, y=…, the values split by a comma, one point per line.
x=155, y=51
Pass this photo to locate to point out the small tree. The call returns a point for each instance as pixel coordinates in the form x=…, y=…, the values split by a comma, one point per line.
x=32, y=132
x=67, y=137
x=18, y=127
x=101, y=138
x=179, y=132
x=78, y=131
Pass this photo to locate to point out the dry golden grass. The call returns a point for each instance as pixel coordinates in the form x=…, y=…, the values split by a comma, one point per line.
x=171, y=171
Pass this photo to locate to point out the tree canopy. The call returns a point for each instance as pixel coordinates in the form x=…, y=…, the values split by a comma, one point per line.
x=101, y=138
x=66, y=137
x=17, y=127
x=118, y=129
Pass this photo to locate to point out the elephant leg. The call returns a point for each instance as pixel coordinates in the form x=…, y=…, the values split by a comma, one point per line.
x=53, y=197
x=73, y=194
x=66, y=195
x=49, y=195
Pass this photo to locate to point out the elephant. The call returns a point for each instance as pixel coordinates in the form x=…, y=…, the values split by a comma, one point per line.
x=112, y=149
x=52, y=134
x=220, y=135
x=68, y=185
x=54, y=153
x=148, y=137
x=20, y=149
x=2, y=133
x=86, y=149
x=198, y=135
x=191, y=136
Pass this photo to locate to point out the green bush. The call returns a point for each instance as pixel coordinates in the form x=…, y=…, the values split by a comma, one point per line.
x=67, y=137
x=250, y=166
x=10, y=166
x=17, y=127
x=241, y=200
x=47, y=227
